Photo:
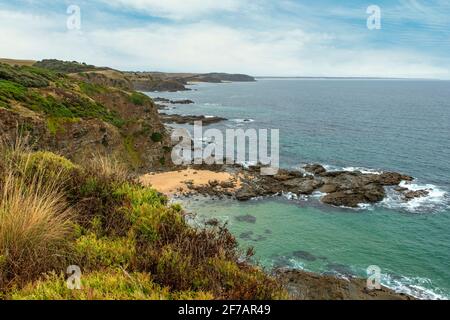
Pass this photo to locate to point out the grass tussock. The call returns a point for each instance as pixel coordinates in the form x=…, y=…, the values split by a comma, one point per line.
x=129, y=242
x=108, y=168
x=35, y=220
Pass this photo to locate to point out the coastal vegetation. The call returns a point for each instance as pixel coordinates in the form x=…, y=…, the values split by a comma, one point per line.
x=129, y=242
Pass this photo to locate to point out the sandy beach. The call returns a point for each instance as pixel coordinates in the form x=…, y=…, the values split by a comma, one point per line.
x=176, y=182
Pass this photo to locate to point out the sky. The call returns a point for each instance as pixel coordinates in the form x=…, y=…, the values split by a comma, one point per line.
x=256, y=37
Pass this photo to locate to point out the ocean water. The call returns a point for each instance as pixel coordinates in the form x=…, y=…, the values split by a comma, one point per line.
x=373, y=125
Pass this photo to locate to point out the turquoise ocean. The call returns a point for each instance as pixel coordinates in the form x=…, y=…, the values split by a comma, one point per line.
x=343, y=124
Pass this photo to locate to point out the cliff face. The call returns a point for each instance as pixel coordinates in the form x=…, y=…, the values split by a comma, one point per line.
x=79, y=114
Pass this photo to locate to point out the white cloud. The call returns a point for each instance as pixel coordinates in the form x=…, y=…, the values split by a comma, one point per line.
x=177, y=9
x=206, y=47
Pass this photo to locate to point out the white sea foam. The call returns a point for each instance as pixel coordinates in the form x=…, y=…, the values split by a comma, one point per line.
x=247, y=164
x=212, y=104
x=333, y=168
x=365, y=206
x=436, y=200
x=289, y=196
x=318, y=194
x=243, y=120
x=414, y=286
x=362, y=170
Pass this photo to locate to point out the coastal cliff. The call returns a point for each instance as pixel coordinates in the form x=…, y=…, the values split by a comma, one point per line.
x=77, y=115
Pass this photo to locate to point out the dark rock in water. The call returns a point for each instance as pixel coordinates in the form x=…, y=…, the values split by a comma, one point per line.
x=186, y=101
x=246, y=218
x=342, y=188
x=159, y=99
x=245, y=194
x=311, y=286
x=267, y=231
x=352, y=198
x=259, y=238
x=190, y=119
x=408, y=196
x=246, y=235
x=340, y=269
x=314, y=168
x=393, y=178
x=302, y=185
x=304, y=255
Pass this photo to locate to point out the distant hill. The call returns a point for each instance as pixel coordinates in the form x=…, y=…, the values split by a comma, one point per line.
x=128, y=80
x=228, y=77
x=17, y=62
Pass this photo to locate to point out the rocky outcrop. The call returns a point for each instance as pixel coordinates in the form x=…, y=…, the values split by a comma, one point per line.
x=179, y=119
x=410, y=195
x=341, y=188
x=165, y=100
x=152, y=85
x=314, y=168
x=185, y=101
x=310, y=286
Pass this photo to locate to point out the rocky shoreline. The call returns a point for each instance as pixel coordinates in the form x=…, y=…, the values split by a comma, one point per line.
x=189, y=119
x=161, y=104
x=336, y=188
x=303, y=285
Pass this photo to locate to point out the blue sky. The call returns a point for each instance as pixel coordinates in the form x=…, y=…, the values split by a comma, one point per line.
x=260, y=37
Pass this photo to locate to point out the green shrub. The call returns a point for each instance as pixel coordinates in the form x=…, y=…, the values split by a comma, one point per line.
x=27, y=76
x=49, y=165
x=97, y=253
x=138, y=98
x=99, y=209
x=157, y=137
x=91, y=89
x=11, y=91
x=139, y=196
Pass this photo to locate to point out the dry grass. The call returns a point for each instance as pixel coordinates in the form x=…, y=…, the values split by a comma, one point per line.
x=107, y=168
x=35, y=222
x=14, y=62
